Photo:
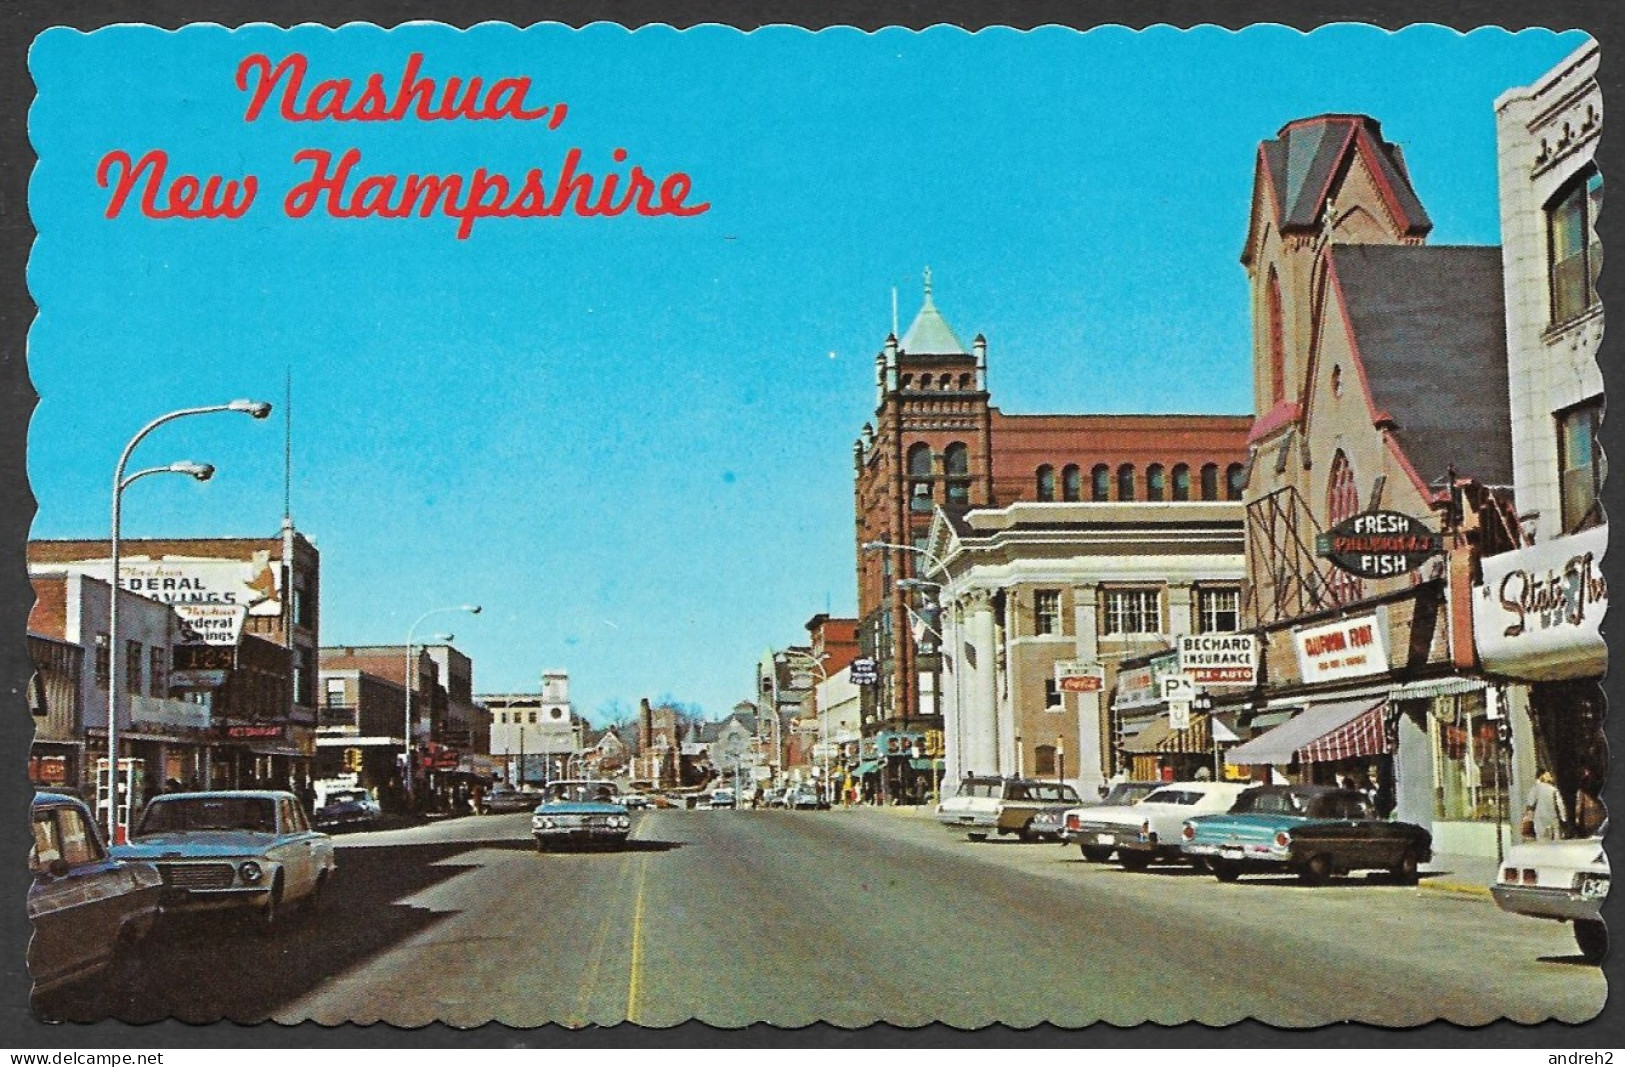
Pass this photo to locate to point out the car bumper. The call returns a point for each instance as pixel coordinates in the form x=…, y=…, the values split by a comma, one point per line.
x=1547, y=903
x=581, y=834
x=1251, y=855
x=179, y=899
x=1104, y=836
x=968, y=820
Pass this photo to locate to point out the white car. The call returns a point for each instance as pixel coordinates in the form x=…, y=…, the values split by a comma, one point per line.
x=1562, y=880
x=1151, y=828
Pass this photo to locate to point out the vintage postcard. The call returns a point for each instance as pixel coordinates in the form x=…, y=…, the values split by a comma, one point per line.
x=598, y=525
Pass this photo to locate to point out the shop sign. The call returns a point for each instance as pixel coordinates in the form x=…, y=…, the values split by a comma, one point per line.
x=1140, y=687
x=253, y=733
x=196, y=680
x=251, y=584
x=1080, y=677
x=1379, y=544
x=1219, y=659
x=50, y=770
x=211, y=624
x=1538, y=613
x=1347, y=648
x=862, y=671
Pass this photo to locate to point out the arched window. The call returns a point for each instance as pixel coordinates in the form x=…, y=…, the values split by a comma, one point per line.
x=905, y=381
x=1342, y=502
x=964, y=381
x=1046, y=483
x=1125, y=482
x=956, y=465
x=1155, y=482
x=1235, y=480
x=1210, y=481
x=1100, y=483
x=1071, y=483
x=919, y=475
x=1182, y=482
x=1277, y=339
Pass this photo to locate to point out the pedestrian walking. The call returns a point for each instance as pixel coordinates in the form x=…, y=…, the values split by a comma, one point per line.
x=1544, y=813
x=1589, y=812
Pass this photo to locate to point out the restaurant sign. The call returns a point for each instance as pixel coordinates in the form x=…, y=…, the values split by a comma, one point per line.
x=1538, y=613
x=1219, y=659
x=1379, y=544
x=1348, y=648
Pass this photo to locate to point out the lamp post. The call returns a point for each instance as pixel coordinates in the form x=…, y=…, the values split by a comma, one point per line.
x=406, y=682
x=202, y=472
x=816, y=663
x=937, y=567
x=922, y=584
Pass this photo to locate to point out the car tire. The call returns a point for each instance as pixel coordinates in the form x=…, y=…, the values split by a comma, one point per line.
x=1591, y=935
x=977, y=837
x=1130, y=860
x=541, y=844
x=318, y=893
x=1408, y=870
x=1316, y=870
x=1096, y=853
x=1224, y=870
x=268, y=919
x=1024, y=835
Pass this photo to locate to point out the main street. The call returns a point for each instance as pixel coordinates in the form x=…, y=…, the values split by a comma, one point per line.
x=735, y=917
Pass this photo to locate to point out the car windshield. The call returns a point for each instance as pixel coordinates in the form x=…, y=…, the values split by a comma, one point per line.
x=1125, y=793
x=1173, y=796
x=579, y=791
x=1057, y=793
x=1341, y=806
x=346, y=796
x=209, y=813
x=981, y=787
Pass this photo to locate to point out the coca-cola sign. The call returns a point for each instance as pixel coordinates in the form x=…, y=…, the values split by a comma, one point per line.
x=1379, y=544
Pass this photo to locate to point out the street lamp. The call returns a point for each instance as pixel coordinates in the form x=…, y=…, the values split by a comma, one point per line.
x=202, y=472
x=406, y=681
x=817, y=663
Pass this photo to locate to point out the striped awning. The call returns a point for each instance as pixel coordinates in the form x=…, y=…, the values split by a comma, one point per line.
x=1362, y=735
x=1149, y=738
x=1298, y=736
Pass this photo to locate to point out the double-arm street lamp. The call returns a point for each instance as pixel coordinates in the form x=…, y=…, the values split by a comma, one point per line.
x=406, y=681
x=816, y=663
x=202, y=472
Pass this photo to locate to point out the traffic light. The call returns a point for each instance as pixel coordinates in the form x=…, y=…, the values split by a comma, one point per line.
x=352, y=759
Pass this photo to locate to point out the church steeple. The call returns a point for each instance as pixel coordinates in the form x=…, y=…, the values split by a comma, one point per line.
x=930, y=334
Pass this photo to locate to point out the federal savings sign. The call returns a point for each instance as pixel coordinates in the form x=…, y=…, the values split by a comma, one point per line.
x=213, y=597
x=1219, y=659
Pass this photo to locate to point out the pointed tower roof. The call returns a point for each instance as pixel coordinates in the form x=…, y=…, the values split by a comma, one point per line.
x=930, y=335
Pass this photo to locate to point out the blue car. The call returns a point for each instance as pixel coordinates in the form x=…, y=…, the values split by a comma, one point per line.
x=1313, y=831
x=580, y=812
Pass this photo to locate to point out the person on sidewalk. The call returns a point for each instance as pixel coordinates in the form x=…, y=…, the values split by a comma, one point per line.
x=1544, y=811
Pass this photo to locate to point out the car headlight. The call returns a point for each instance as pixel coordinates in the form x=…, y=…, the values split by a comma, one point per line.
x=250, y=872
x=547, y=822
x=1283, y=840
x=626, y=821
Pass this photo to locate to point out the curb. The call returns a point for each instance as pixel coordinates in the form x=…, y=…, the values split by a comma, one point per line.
x=1446, y=885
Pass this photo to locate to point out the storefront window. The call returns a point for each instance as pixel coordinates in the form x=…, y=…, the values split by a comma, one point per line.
x=1469, y=778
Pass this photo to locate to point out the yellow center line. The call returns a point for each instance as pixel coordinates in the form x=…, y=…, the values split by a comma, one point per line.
x=595, y=958
x=634, y=982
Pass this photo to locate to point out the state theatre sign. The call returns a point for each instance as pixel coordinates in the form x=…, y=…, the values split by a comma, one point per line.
x=1379, y=544
x=1538, y=613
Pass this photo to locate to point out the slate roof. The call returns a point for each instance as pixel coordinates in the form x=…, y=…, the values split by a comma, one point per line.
x=1430, y=326
x=1307, y=154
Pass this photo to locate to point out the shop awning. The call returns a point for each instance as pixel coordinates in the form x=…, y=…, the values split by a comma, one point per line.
x=1149, y=738
x=1293, y=738
x=867, y=767
x=1362, y=735
x=925, y=764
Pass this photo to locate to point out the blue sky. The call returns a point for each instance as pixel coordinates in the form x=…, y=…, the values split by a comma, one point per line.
x=630, y=439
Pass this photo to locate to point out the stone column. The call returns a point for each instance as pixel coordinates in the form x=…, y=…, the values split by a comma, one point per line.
x=1093, y=742
x=979, y=687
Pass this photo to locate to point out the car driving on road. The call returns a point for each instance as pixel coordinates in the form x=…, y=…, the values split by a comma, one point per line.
x=580, y=812
x=1563, y=880
x=249, y=850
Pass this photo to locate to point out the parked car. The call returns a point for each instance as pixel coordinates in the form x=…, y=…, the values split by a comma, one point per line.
x=503, y=798
x=1562, y=880
x=345, y=809
x=1155, y=832
x=580, y=812
x=90, y=911
x=252, y=850
x=804, y=798
x=1119, y=796
x=983, y=805
x=636, y=801
x=773, y=798
x=724, y=798
x=1315, y=831
x=1027, y=803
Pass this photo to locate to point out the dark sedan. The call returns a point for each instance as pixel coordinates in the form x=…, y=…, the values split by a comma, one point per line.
x=89, y=910
x=1315, y=831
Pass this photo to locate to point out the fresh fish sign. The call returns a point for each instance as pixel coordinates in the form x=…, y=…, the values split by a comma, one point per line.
x=1379, y=544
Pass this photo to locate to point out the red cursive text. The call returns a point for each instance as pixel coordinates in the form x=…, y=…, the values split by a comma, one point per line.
x=422, y=97
x=187, y=197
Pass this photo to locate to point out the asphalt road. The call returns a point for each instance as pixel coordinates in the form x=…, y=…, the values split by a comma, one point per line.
x=735, y=917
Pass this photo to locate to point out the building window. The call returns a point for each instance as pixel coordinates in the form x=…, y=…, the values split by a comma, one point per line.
x=956, y=465
x=1047, y=611
x=919, y=497
x=1044, y=760
x=157, y=674
x=919, y=473
x=1218, y=611
x=1277, y=339
x=1100, y=483
x=1155, y=482
x=1182, y=482
x=335, y=692
x=1342, y=502
x=1235, y=480
x=1583, y=466
x=1210, y=481
x=1071, y=483
x=1125, y=482
x=1575, y=253
x=1046, y=483
x=132, y=666
x=1052, y=695
x=104, y=671
x=533, y=718
x=1133, y=611
x=1467, y=784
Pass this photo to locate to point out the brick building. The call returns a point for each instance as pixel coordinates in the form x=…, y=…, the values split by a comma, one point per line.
x=937, y=440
